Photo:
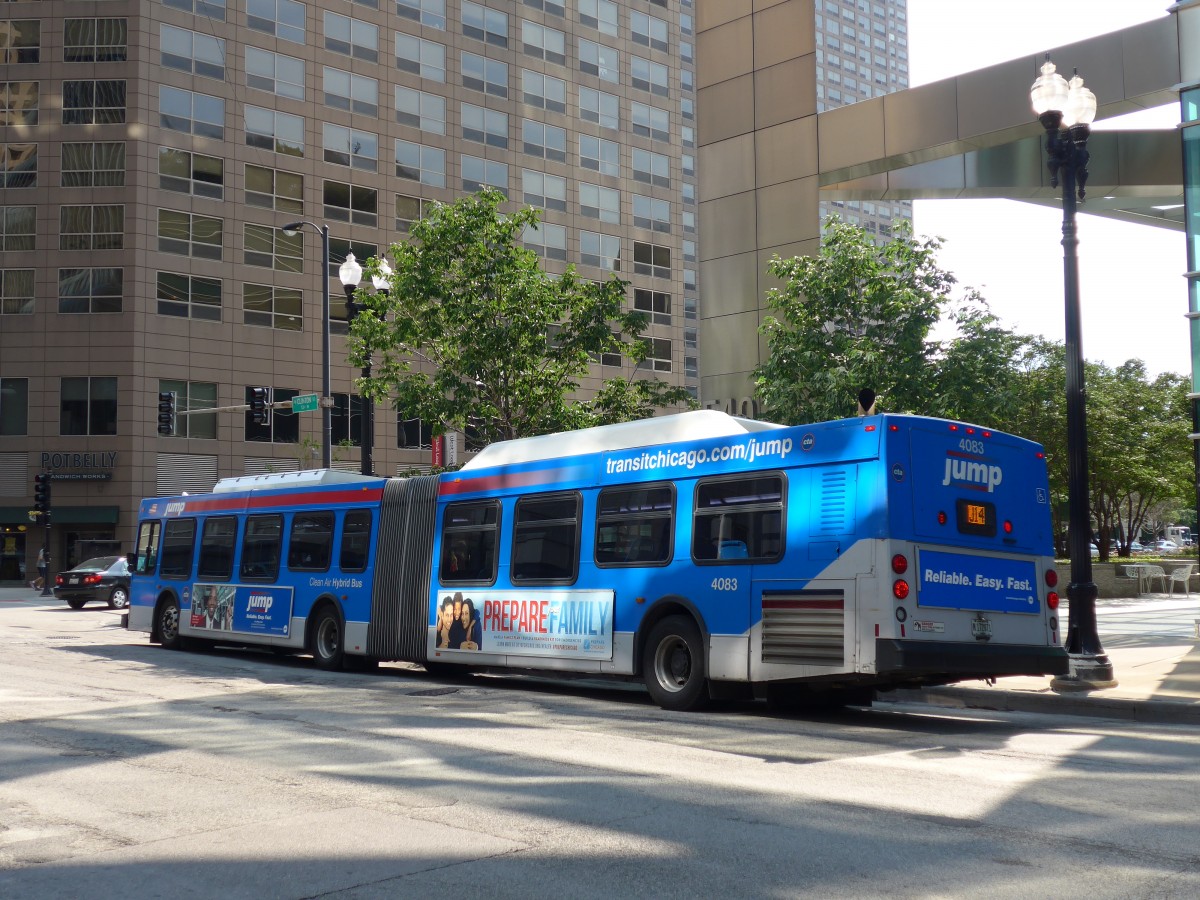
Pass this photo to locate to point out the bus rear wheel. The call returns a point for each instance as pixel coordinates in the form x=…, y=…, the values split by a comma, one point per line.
x=673, y=665
x=327, y=647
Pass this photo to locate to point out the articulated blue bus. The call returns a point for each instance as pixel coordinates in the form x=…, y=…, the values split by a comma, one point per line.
x=707, y=555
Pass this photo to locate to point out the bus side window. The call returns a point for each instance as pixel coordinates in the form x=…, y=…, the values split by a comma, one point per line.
x=146, y=555
x=217, y=541
x=179, y=539
x=634, y=525
x=469, y=536
x=356, y=541
x=261, y=548
x=739, y=519
x=546, y=539
x=310, y=544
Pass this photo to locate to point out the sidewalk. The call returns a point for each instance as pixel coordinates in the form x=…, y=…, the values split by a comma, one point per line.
x=1151, y=642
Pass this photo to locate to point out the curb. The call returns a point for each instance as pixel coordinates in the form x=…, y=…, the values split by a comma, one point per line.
x=1160, y=712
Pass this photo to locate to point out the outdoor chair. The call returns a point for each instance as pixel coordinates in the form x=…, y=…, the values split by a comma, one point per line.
x=1150, y=573
x=1182, y=576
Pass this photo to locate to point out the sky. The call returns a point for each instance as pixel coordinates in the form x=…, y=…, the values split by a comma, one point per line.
x=1132, y=292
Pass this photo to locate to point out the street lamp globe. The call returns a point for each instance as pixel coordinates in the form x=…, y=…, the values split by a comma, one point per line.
x=382, y=280
x=1081, y=104
x=350, y=272
x=1049, y=91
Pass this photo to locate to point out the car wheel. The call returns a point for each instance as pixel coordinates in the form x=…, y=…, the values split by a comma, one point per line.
x=327, y=640
x=673, y=664
x=167, y=624
x=118, y=599
x=76, y=604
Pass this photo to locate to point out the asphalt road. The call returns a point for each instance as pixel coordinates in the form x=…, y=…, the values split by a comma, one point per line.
x=130, y=771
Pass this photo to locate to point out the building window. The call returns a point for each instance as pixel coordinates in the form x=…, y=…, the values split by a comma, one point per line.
x=687, y=163
x=281, y=429
x=420, y=163
x=88, y=406
x=18, y=227
x=484, y=24
x=651, y=259
x=687, y=108
x=599, y=60
x=14, y=407
x=192, y=52
x=600, y=250
x=282, y=18
x=599, y=14
x=353, y=93
x=420, y=110
x=18, y=102
x=420, y=57
x=91, y=227
x=484, y=126
x=599, y=107
x=191, y=113
x=685, y=51
x=276, y=131
x=275, y=73
x=648, y=31
x=189, y=235
x=600, y=155
x=93, y=165
x=487, y=76
x=656, y=305
x=687, y=191
x=546, y=240
x=351, y=37
x=687, y=136
x=651, y=168
x=430, y=13
x=650, y=76
x=90, y=290
x=191, y=173
x=95, y=40
x=544, y=141
x=351, y=203
x=689, y=279
x=479, y=172
x=544, y=191
x=210, y=9
x=16, y=292
x=93, y=102
x=272, y=249
x=543, y=43
x=601, y=203
x=650, y=121
x=189, y=396
x=18, y=165
x=552, y=7
x=543, y=91
x=689, y=251
x=689, y=222
x=649, y=212
x=20, y=41
x=348, y=147
x=273, y=307
x=411, y=434
x=691, y=338
x=658, y=357
x=685, y=24
x=189, y=296
x=409, y=210
x=274, y=189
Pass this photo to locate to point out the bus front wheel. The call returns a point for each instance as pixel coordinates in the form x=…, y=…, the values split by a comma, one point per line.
x=168, y=624
x=327, y=647
x=673, y=664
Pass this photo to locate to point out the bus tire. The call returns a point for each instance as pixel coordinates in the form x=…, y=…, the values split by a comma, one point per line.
x=166, y=623
x=673, y=665
x=327, y=648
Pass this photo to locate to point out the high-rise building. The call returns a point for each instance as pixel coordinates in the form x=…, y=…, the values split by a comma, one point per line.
x=862, y=52
x=152, y=150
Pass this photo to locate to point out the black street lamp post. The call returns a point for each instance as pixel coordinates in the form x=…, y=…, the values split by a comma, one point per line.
x=326, y=412
x=1066, y=112
x=350, y=275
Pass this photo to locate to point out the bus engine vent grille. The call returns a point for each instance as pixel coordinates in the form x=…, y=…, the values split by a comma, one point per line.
x=804, y=628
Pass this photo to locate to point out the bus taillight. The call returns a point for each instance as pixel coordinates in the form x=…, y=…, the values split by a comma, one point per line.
x=1052, y=600
x=900, y=589
x=1051, y=578
x=1007, y=527
x=899, y=563
x=942, y=517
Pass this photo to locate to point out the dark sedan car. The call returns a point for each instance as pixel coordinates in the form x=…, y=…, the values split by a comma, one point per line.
x=102, y=578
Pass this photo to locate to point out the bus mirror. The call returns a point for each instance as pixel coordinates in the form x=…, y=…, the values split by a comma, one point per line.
x=131, y=561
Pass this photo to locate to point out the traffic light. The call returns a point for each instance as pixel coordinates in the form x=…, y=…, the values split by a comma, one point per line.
x=41, y=492
x=166, y=412
x=260, y=408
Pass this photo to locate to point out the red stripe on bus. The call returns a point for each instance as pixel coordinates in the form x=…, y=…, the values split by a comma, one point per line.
x=362, y=495
x=499, y=482
x=803, y=604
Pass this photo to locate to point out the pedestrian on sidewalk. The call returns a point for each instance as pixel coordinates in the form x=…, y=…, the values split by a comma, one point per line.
x=40, y=582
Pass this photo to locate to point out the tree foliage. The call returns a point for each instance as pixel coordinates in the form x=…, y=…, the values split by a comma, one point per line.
x=473, y=335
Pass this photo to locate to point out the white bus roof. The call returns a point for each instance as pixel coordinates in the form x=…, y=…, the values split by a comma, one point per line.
x=304, y=478
x=689, y=426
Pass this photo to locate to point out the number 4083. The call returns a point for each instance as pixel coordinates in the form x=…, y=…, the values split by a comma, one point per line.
x=724, y=584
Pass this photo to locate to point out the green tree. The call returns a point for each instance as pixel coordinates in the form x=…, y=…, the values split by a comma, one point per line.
x=859, y=314
x=473, y=335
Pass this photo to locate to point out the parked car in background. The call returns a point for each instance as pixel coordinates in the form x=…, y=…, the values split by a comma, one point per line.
x=1136, y=547
x=100, y=578
x=1164, y=546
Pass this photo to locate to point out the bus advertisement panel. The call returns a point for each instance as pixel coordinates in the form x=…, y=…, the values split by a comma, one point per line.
x=560, y=624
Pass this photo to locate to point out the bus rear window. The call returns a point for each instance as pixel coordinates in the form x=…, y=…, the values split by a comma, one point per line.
x=179, y=538
x=739, y=519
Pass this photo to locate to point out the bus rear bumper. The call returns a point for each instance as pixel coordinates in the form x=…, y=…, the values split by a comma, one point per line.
x=920, y=659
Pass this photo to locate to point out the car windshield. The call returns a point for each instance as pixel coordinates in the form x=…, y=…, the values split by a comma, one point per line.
x=98, y=562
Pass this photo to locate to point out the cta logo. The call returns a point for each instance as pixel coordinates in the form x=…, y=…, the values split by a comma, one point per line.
x=980, y=476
